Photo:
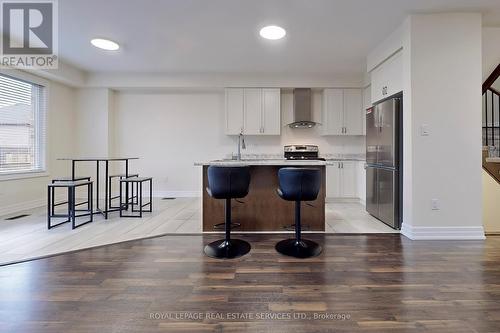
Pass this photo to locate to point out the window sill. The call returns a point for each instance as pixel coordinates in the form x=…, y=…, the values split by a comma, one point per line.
x=23, y=175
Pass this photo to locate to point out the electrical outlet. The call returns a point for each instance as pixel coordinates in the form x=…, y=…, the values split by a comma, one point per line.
x=435, y=204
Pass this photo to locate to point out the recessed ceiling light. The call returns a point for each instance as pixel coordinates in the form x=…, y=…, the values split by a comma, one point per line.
x=105, y=44
x=272, y=32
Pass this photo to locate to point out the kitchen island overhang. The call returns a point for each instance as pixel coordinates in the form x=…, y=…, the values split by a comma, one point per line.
x=262, y=209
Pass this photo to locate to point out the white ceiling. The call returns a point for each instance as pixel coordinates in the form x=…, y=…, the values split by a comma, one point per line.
x=221, y=36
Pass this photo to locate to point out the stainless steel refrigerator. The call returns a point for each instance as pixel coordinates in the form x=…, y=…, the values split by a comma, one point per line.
x=383, y=161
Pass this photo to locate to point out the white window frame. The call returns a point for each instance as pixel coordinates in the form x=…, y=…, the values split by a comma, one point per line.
x=20, y=75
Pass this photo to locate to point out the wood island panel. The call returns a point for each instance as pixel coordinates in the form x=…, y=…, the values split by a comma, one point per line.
x=262, y=209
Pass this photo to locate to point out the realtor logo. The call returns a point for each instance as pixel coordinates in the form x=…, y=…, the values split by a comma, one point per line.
x=29, y=38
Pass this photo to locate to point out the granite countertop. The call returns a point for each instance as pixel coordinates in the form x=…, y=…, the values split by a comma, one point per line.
x=344, y=157
x=275, y=159
x=270, y=162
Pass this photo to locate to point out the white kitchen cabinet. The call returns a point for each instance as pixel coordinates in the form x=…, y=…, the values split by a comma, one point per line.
x=387, y=78
x=333, y=180
x=271, y=111
x=361, y=180
x=342, y=180
x=234, y=111
x=333, y=109
x=342, y=112
x=353, y=112
x=349, y=180
x=253, y=111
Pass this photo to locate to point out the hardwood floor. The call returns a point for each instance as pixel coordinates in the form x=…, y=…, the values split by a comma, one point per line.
x=28, y=237
x=371, y=283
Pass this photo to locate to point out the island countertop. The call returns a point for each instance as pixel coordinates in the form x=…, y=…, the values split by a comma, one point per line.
x=270, y=162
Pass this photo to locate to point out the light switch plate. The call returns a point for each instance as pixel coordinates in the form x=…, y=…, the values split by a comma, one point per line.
x=435, y=204
x=424, y=130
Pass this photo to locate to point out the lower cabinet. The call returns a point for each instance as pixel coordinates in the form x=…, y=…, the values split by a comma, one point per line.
x=342, y=180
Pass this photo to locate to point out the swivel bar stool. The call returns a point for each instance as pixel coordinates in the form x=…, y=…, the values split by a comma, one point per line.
x=228, y=183
x=298, y=184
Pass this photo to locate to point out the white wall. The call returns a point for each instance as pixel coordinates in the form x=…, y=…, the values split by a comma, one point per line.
x=171, y=130
x=94, y=133
x=21, y=194
x=92, y=117
x=443, y=91
x=491, y=50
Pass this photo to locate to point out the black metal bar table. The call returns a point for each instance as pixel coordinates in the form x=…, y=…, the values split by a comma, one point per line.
x=98, y=161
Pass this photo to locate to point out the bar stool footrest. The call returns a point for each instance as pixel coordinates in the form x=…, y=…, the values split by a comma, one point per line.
x=222, y=226
x=291, y=227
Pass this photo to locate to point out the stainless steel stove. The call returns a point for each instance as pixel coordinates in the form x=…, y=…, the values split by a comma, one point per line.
x=302, y=152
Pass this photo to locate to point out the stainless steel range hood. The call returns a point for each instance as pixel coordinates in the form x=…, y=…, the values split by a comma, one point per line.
x=302, y=110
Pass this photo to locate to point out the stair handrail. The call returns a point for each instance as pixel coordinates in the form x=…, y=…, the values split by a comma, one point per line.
x=491, y=79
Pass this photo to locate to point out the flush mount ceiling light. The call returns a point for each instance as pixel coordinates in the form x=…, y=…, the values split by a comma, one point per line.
x=272, y=32
x=105, y=44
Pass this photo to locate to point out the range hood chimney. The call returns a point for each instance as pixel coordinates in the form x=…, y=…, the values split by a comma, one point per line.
x=302, y=113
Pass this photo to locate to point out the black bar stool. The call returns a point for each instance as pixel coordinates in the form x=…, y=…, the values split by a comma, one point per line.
x=71, y=214
x=110, y=182
x=298, y=184
x=68, y=179
x=228, y=183
x=138, y=186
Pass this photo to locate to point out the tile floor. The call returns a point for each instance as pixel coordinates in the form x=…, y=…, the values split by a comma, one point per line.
x=28, y=237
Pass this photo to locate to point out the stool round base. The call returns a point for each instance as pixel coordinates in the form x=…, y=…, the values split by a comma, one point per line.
x=302, y=249
x=223, y=249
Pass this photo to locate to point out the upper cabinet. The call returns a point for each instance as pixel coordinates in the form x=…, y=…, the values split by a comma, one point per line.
x=387, y=78
x=342, y=112
x=271, y=111
x=234, y=111
x=253, y=111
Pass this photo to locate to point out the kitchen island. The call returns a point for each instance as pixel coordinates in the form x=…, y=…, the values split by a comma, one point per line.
x=262, y=209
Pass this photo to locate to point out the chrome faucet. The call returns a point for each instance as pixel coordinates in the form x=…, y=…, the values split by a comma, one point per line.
x=241, y=144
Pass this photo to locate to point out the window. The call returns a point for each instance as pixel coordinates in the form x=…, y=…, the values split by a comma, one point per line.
x=22, y=126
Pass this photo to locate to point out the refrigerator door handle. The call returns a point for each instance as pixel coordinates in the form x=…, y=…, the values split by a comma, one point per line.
x=380, y=121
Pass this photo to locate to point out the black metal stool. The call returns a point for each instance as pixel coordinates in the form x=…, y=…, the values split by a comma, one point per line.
x=71, y=215
x=124, y=205
x=110, y=182
x=298, y=184
x=68, y=179
x=228, y=183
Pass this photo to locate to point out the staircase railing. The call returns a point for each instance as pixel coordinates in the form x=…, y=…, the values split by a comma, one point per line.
x=491, y=122
x=491, y=118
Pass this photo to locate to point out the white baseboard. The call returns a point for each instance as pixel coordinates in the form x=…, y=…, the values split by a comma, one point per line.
x=22, y=206
x=177, y=194
x=442, y=233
